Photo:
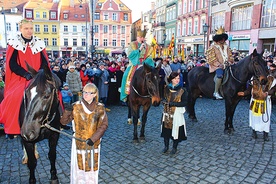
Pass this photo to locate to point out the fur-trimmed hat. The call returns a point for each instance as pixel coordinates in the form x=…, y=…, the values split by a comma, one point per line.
x=220, y=34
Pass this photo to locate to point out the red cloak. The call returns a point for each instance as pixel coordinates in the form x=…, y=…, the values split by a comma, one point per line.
x=14, y=88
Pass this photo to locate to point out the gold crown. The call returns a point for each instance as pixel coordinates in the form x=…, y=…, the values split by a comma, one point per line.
x=25, y=21
x=220, y=30
x=141, y=33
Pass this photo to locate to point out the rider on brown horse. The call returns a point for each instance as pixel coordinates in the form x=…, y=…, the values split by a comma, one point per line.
x=218, y=56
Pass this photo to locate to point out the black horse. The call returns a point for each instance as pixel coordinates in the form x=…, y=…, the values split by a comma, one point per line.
x=201, y=82
x=144, y=91
x=39, y=107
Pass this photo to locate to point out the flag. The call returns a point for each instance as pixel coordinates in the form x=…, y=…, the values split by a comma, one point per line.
x=154, y=45
x=171, y=46
x=182, y=53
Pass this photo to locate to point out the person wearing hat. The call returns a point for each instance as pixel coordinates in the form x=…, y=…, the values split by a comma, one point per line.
x=74, y=81
x=261, y=104
x=138, y=53
x=219, y=55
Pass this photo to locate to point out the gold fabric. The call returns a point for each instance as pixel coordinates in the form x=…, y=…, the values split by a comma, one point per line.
x=168, y=112
x=85, y=126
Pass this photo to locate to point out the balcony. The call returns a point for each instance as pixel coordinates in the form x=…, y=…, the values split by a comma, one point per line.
x=159, y=24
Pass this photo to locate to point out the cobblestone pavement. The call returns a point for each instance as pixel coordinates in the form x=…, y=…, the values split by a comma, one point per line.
x=208, y=156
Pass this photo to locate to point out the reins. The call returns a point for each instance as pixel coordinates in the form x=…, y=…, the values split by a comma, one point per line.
x=143, y=96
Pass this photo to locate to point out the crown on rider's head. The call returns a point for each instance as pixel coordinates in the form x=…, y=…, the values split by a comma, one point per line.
x=220, y=30
x=25, y=21
x=141, y=33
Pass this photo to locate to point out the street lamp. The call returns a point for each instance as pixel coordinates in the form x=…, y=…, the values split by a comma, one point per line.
x=205, y=30
x=5, y=26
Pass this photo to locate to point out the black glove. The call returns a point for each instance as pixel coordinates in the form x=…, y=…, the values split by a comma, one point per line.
x=28, y=76
x=68, y=107
x=89, y=142
x=172, y=104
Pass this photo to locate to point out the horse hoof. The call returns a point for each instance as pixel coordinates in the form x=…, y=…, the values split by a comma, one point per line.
x=226, y=131
x=194, y=120
x=142, y=139
x=56, y=181
x=139, y=122
x=135, y=141
x=129, y=121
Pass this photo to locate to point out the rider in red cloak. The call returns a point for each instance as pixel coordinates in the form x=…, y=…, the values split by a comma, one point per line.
x=21, y=49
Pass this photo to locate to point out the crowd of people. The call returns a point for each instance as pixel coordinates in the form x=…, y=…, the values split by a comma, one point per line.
x=93, y=84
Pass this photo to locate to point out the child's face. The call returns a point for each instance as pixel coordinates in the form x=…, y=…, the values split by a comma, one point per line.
x=66, y=87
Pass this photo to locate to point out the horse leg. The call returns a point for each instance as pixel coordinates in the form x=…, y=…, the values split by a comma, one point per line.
x=144, y=120
x=53, y=140
x=32, y=162
x=135, y=111
x=192, y=96
x=230, y=106
x=129, y=120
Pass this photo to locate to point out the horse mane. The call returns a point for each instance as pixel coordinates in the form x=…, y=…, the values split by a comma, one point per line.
x=41, y=79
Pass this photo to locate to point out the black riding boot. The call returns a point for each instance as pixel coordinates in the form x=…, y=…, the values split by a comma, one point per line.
x=174, y=149
x=266, y=136
x=166, y=142
x=254, y=134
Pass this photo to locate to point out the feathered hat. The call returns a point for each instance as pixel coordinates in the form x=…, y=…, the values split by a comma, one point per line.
x=141, y=33
x=220, y=34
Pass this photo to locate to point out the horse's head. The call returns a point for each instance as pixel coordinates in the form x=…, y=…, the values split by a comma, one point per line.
x=152, y=82
x=40, y=102
x=258, y=67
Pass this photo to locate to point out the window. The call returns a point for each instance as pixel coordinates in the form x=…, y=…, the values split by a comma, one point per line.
x=105, y=42
x=29, y=14
x=123, y=43
x=75, y=29
x=123, y=29
x=8, y=26
x=105, y=29
x=218, y=20
x=45, y=30
x=96, y=42
x=241, y=17
x=54, y=41
x=114, y=29
x=83, y=42
x=114, y=16
x=65, y=42
x=196, y=4
x=76, y=15
x=53, y=15
x=44, y=15
x=97, y=16
x=189, y=28
x=268, y=17
x=184, y=31
x=65, y=16
x=46, y=41
x=196, y=27
x=185, y=7
x=114, y=43
x=17, y=27
x=65, y=28
x=54, y=28
x=105, y=16
x=75, y=42
x=125, y=17
x=190, y=6
x=96, y=28
x=37, y=28
x=37, y=15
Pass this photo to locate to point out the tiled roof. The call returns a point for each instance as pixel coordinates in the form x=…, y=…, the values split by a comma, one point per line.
x=8, y=4
x=46, y=4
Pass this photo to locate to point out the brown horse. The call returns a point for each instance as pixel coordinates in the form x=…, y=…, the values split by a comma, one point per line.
x=201, y=82
x=144, y=91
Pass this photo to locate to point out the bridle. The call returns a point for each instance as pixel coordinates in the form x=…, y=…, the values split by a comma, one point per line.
x=235, y=78
x=143, y=96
